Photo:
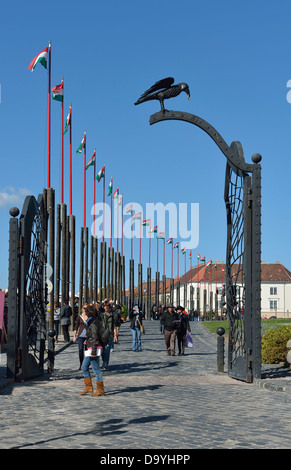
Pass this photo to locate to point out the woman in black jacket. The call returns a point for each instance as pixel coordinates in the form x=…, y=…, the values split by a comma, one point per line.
x=94, y=348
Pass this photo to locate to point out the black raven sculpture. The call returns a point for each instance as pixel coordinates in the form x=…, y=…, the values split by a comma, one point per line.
x=162, y=90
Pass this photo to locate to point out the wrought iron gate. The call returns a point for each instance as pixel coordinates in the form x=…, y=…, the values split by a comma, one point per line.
x=243, y=254
x=27, y=293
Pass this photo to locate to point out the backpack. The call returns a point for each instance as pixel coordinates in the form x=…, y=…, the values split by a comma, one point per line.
x=103, y=334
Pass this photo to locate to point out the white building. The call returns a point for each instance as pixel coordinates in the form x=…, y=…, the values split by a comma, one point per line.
x=275, y=288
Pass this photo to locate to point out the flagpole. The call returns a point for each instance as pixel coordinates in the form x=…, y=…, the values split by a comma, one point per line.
x=71, y=160
x=185, y=269
x=157, y=252
x=84, y=215
x=131, y=233
x=111, y=214
x=94, y=193
x=150, y=245
x=140, y=243
x=172, y=261
x=103, y=204
x=178, y=261
x=191, y=266
x=62, y=146
x=122, y=226
x=164, y=257
x=49, y=123
x=117, y=216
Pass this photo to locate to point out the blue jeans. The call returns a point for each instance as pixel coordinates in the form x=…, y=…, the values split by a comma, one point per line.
x=106, y=352
x=94, y=361
x=136, y=339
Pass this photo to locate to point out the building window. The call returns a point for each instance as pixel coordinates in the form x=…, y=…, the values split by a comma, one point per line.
x=273, y=304
x=273, y=290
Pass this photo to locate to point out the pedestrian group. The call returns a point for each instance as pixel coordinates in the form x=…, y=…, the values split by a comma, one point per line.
x=96, y=331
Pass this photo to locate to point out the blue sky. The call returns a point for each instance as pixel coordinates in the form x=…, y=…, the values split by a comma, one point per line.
x=235, y=57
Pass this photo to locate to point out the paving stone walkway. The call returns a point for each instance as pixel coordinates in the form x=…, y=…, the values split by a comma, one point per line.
x=152, y=401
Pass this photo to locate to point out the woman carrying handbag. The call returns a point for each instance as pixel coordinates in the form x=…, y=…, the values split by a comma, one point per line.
x=135, y=317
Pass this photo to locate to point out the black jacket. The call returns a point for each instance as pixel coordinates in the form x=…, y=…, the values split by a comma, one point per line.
x=132, y=316
x=169, y=320
x=184, y=324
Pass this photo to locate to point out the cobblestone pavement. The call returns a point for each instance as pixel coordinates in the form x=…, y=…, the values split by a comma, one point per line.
x=152, y=401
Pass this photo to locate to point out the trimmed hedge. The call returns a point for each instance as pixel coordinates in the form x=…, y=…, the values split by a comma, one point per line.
x=274, y=345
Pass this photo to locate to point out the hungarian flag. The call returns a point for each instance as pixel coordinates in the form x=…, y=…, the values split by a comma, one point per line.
x=119, y=200
x=176, y=245
x=190, y=254
x=116, y=192
x=129, y=209
x=161, y=235
x=82, y=144
x=183, y=251
x=68, y=121
x=201, y=259
x=40, y=58
x=154, y=229
x=170, y=241
x=110, y=187
x=58, y=92
x=137, y=216
x=209, y=263
x=91, y=161
x=101, y=174
x=146, y=222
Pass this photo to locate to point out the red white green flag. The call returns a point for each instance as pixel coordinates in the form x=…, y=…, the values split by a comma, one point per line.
x=129, y=208
x=116, y=192
x=209, y=263
x=170, y=241
x=176, y=245
x=91, y=161
x=137, y=216
x=101, y=174
x=161, y=235
x=201, y=259
x=40, y=58
x=154, y=229
x=58, y=92
x=120, y=200
x=110, y=187
x=82, y=144
x=183, y=251
x=68, y=121
x=146, y=222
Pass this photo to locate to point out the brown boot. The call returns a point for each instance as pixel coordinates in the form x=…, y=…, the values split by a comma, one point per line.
x=88, y=386
x=100, y=389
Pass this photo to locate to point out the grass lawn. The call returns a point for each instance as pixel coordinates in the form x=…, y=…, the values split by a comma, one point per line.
x=266, y=324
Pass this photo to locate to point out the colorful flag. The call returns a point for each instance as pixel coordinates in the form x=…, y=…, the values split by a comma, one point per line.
x=116, y=192
x=169, y=241
x=68, y=121
x=209, y=263
x=176, y=245
x=154, y=229
x=161, y=235
x=190, y=254
x=201, y=259
x=119, y=200
x=129, y=208
x=40, y=58
x=183, y=251
x=91, y=161
x=58, y=92
x=110, y=187
x=101, y=174
x=82, y=144
x=146, y=222
x=137, y=216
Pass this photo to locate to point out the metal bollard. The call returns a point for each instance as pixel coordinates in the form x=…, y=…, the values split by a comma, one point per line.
x=220, y=349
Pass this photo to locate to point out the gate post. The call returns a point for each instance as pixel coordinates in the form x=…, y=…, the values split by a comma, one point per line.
x=12, y=297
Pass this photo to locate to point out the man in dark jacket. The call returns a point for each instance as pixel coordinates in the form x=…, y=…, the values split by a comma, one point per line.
x=170, y=320
x=183, y=328
x=65, y=318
